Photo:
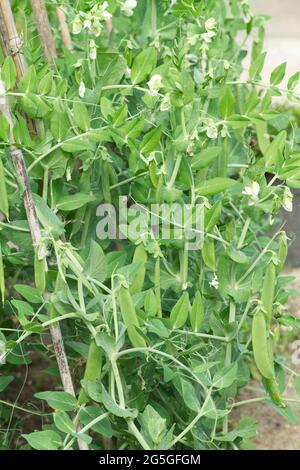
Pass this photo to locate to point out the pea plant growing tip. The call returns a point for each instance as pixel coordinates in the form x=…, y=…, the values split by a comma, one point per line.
x=146, y=342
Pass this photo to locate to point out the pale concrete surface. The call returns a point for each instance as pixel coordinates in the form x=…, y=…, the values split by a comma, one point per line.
x=282, y=34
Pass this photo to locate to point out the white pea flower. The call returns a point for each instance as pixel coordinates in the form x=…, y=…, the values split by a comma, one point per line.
x=128, y=72
x=214, y=283
x=81, y=89
x=155, y=84
x=96, y=28
x=93, y=50
x=224, y=131
x=165, y=104
x=210, y=24
x=78, y=64
x=226, y=64
x=77, y=25
x=2, y=92
x=105, y=14
x=252, y=191
x=288, y=200
x=207, y=37
x=212, y=131
x=128, y=7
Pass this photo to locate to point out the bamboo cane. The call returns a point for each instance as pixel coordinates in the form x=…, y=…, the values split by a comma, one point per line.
x=44, y=29
x=65, y=33
x=7, y=28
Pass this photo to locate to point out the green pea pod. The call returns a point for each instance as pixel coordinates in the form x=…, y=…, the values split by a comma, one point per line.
x=150, y=304
x=159, y=189
x=267, y=296
x=135, y=337
x=4, y=208
x=282, y=252
x=112, y=175
x=105, y=180
x=130, y=317
x=153, y=173
x=92, y=371
x=196, y=313
x=271, y=386
x=40, y=274
x=261, y=349
x=2, y=278
x=140, y=255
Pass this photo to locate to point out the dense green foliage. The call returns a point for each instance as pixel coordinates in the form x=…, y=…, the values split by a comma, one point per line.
x=157, y=111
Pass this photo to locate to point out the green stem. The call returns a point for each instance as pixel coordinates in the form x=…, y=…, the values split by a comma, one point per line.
x=45, y=183
x=228, y=354
x=154, y=19
x=192, y=423
x=157, y=287
x=244, y=233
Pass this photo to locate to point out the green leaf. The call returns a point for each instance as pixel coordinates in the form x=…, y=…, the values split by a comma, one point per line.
x=225, y=377
x=29, y=293
x=59, y=125
x=187, y=391
x=81, y=116
x=96, y=264
x=153, y=424
x=5, y=380
x=4, y=207
x=5, y=129
x=293, y=81
x=205, y=157
x=196, y=313
x=90, y=413
x=227, y=103
x=44, y=440
x=215, y=186
x=275, y=149
x=8, y=73
x=245, y=430
x=74, y=201
x=63, y=422
x=78, y=143
x=28, y=82
x=150, y=141
x=289, y=320
x=257, y=66
x=115, y=409
x=143, y=65
x=62, y=401
x=107, y=343
x=51, y=223
x=180, y=311
x=278, y=74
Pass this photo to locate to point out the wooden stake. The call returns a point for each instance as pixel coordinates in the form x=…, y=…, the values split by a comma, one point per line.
x=44, y=29
x=11, y=41
x=65, y=33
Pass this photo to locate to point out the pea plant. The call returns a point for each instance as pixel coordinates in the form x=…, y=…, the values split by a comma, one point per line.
x=147, y=339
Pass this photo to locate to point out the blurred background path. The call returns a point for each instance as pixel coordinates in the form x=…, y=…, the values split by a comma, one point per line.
x=282, y=33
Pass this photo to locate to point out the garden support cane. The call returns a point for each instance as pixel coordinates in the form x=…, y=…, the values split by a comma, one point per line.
x=44, y=29
x=65, y=33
